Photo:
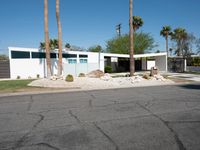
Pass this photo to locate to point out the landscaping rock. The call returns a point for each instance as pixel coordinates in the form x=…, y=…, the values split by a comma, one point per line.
x=159, y=78
x=106, y=77
x=95, y=74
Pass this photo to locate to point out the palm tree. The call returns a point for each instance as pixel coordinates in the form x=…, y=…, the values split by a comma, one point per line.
x=131, y=36
x=165, y=32
x=46, y=28
x=137, y=22
x=53, y=44
x=59, y=38
x=179, y=35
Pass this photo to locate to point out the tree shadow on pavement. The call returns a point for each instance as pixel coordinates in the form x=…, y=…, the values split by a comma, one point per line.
x=195, y=86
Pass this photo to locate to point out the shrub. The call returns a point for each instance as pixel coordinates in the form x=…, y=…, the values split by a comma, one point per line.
x=108, y=69
x=18, y=77
x=69, y=78
x=38, y=76
x=146, y=76
x=81, y=75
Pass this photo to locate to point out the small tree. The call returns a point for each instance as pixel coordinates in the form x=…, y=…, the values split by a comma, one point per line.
x=96, y=48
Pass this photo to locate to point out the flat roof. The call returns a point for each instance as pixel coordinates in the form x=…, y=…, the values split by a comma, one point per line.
x=83, y=52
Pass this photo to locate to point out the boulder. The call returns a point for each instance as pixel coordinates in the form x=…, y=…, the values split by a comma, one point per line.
x=95, y=74
x=106, y=77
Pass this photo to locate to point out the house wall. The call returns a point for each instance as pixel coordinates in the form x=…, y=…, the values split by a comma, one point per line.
x=161, y=63
x=144, y=64
x=31, y=67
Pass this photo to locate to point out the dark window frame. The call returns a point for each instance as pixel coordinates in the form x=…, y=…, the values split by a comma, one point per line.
x=20, y=54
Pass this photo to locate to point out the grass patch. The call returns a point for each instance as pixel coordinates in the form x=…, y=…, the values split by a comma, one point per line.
x=14, y=85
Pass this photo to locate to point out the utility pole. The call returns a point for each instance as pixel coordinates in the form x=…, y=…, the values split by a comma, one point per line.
x=118, y=29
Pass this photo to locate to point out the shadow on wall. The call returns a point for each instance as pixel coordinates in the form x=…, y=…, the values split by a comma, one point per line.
x=191, y=86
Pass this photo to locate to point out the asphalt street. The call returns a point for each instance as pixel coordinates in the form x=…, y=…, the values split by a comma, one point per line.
x=141, y=118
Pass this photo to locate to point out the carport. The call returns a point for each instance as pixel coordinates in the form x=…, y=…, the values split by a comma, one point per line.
x=143, y=62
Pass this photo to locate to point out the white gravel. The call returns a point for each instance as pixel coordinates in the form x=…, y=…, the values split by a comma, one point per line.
x=86, y=83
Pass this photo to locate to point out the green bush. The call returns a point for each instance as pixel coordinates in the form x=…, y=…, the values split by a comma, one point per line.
x=69, y=78
x=81, y=75
x=108, y=69
x=196, y=61
x=18, y=77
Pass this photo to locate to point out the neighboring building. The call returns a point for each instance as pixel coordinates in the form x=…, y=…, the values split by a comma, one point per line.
x=30, y=62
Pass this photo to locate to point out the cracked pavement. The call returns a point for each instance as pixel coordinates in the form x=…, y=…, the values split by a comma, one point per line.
x=142, y=118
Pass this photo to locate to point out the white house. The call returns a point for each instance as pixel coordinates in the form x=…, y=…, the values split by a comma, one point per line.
x=30, y=62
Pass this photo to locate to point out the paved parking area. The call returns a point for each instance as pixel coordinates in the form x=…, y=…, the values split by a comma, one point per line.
x=142, y=118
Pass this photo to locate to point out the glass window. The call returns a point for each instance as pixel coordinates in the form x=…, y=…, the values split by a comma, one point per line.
x=69, y=55
x=72, y=61
x=83, y=56
x=53, y=55
x=19, y=54
x=83, y=61
x=38, y=55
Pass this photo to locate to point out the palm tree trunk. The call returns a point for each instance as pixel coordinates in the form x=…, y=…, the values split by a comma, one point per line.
x=167, y=46
x=131, y=41
x=59, y=38
x=46, y=28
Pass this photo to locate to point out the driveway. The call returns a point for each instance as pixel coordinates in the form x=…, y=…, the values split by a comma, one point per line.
x=185, y=76
x=142, y=118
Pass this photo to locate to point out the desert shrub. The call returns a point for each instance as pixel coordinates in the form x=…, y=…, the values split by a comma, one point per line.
x=18, y=77
x=81, y=75
x=146, y=76
x=69, y=78
x=38, y=76
x=196, y=61
x=108, y=69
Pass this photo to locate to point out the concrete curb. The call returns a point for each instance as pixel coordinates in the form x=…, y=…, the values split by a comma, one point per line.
x=78, y=89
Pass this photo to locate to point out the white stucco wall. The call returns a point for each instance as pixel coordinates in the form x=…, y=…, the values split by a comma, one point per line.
x=31, y=67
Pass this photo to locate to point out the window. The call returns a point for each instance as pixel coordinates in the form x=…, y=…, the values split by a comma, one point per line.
x=53, y=55
x=69, y=55
x=83, y=56
x=20, y=54
x=38, y=55
x=83, y=61
x=72, y=61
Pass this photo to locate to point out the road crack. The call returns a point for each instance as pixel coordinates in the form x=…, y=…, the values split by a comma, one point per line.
x=21, y=141
x=107, y=136
x=48, y=146
x=30, y=103
x=178, y=141
x=74, y=116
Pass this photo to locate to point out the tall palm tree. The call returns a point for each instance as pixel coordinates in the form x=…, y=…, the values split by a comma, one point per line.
x=135, y=23
x=59, y=37
x=179, y=35
x=46, y=28
x=165, y=32
x=131, y=36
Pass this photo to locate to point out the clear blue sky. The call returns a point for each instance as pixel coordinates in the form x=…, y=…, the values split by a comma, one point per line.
x=89, y=22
